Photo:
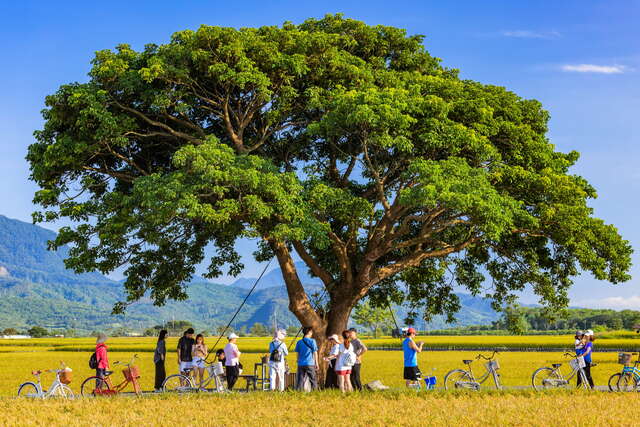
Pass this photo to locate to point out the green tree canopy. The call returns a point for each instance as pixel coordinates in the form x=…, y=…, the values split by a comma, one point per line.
x=347, y=144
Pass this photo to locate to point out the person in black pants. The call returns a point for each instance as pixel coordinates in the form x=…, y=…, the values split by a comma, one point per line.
x=360, y=349
x=158, y=359
x=307, y=350
x=331, y=379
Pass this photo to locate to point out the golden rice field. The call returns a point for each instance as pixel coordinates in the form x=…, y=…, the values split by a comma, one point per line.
x=390, y=408
x=18, y=358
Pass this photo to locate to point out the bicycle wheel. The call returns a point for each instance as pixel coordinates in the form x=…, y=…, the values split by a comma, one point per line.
x=95, y=386
x=627, y=383
x=613, y=382
x=459, y=379
x=178, y=383
x=547, y=378
x=28, y=389
x=62, y=391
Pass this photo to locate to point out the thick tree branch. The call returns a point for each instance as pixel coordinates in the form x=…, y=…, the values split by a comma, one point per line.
x=312, y=264
x=299, y=303
x=414, y=259
x=161, y=125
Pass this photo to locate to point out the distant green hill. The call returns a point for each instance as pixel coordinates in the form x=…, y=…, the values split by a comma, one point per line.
x=36, y=289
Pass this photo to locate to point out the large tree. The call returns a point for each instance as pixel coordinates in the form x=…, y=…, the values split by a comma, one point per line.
x=345, y=145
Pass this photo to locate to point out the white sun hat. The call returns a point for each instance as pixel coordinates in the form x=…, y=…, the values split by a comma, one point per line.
x=232, y=335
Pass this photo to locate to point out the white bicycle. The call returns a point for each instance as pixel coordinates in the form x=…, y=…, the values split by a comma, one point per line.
x=58, y=389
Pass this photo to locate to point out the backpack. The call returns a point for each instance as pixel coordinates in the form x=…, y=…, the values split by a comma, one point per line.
x=93, y=361
x=349, y=359
x=276, y=355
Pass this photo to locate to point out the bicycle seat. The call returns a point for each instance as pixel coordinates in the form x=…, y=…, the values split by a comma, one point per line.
x=467, y=362
x=38, y=372
x=187, y=370
x=556, y=365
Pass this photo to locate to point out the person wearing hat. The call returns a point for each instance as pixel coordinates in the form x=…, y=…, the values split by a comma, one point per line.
x=101, y=355
x=277, y=357
x=331, y=379
x=232, y=361
x=586, y=353
x=410, y=349
x=359, y=348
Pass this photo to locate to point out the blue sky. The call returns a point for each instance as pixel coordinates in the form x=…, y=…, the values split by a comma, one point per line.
x=581, y=59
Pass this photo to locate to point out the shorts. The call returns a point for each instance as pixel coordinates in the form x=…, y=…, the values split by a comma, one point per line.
x=344, y=372
x=412, y=373
x=198, y=362
x=186, y=365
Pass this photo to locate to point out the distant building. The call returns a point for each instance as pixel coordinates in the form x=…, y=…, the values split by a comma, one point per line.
x=15, y=337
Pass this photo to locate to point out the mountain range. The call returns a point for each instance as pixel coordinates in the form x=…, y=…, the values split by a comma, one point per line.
x=37, y=289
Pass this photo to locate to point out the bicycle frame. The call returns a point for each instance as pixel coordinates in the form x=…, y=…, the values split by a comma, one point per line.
x=574, y=372
x=205, y=381
x=52, y=388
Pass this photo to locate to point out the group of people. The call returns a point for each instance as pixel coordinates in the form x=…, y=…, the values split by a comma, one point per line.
x=344, y=359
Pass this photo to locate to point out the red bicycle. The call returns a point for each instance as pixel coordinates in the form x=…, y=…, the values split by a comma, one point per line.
x=102, y=386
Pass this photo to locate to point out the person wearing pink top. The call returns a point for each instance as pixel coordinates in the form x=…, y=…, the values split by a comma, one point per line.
x=101, y=356
x=232, y=361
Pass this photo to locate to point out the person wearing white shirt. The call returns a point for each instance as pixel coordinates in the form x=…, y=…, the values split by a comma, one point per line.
x=232, y=361
x=278, y=352
x=331, y=380
x=345, y=361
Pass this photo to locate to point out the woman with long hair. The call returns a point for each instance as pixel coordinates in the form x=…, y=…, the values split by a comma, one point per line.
x=200, y=353
x=587, y=354
x=344, y=363
x=159, y=356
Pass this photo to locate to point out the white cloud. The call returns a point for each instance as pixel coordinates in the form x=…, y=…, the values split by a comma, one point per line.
x=591, y=68
x=617, y=303
x=528, y=34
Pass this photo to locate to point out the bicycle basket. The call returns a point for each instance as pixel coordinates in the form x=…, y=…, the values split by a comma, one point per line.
x=131, y=373
x=65, y=376
x=624, y=358
x=492, y=364
x=577, y=363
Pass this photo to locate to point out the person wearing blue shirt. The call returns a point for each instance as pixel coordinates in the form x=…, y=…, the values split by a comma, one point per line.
x=587, y=352
x=307, y=350
x=410, y=349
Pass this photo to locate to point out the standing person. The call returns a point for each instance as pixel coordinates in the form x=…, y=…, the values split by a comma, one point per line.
x=307, y=350
x=410, y=349
x=578, y=343
x=200, y=353
x=587, y=352
x=346, y=360
x=331, y=379
x=232, y=361
x=101, y=356
x=185, y=352
x=359, y=348
x=159, y=356
x=277, y=357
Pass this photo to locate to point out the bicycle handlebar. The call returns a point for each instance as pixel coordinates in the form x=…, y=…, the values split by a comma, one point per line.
x=128, y=365
x=482, y=356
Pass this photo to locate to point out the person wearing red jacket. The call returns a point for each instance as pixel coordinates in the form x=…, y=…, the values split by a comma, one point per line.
x=101, y=356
